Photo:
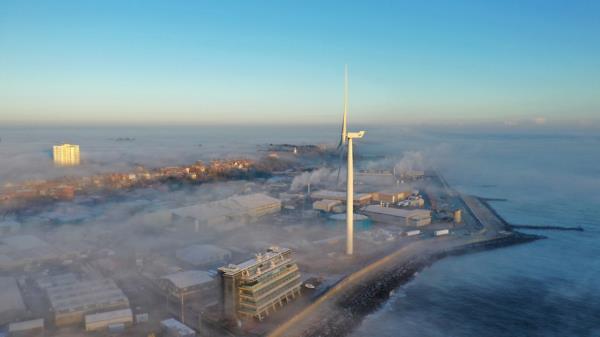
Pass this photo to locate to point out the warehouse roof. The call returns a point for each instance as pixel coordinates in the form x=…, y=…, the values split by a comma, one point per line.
x=26, y=325
x=173, y=324
x=84, y=295
x=189, y=278
x=231, y=206
x=10, y=299
x=201, y=254
x=337, y=195
x=108, y=316
x=405, y=213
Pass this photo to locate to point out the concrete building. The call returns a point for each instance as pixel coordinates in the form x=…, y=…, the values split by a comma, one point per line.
x=34, y=327
x=66, y=155
x=326, y=205
x=233, y=211
x=184, y=286
x=203, y=255
x=360, y=199
x=71, y=302
x=412, y=217
x=11, y=302
x=257, y=287
x=102, y=320
x=174, y=328
x=391, y=195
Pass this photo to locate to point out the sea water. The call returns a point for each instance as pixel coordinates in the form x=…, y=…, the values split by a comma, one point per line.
x=546, y=288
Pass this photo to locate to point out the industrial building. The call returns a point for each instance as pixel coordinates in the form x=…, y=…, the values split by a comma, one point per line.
x=391, y=195
x=361, y=222
x=203, y=255
x=70, y=302
x=66, y=155
x=235, y=210
x=174, y=328
x=412, y=217
x=103, y=320
x=34, y=327
x=182, y=285
x=11, y=302
x=327, y=205
x=360, y=199
x=257, y=287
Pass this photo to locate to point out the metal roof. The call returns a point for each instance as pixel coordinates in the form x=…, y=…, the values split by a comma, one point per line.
x=232, y=206
x=108, y=316
x=189, y=278
x=176, y=325
x=85, y=295
x=405, y=213
x=201, y=254
x=337, y=195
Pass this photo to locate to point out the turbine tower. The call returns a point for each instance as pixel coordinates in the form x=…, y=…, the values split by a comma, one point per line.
x=350, y=193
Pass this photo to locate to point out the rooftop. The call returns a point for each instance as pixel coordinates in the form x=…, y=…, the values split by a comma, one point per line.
x=405, y=213
x=10, y=299
x=271, y=253
x=232, y=206
x=108, y=315
x=84, y=295
x=174, y=324
x=201, y=254
x=337, y=195
x=26, y=325
x=189, y=278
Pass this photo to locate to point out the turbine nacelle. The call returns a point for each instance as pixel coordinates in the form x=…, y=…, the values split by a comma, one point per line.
x=352, y=135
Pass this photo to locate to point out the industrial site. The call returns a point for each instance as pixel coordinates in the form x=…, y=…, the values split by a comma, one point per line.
x=296, y=242
x=243, y=255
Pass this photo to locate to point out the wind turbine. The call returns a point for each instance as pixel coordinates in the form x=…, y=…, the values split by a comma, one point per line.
x=346, y=139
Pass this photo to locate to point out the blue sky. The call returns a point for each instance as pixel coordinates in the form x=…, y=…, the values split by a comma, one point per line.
x=198, y=62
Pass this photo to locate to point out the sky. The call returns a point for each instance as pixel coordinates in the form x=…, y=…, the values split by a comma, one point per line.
x=256, y=62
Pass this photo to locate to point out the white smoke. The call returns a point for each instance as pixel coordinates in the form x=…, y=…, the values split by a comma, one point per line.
x=411, y=160
x=317, y=178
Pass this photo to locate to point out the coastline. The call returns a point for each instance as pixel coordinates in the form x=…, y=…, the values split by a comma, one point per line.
x=368, y=296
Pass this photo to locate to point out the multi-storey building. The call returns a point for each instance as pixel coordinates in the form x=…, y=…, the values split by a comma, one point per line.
x=257, y=287
x=66, y=154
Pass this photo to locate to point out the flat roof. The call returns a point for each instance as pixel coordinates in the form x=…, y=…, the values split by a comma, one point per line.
x=260, y=258
x=26, y=325
x=201, y=253
x=188, y=278
x=56, y=280
x=338, y=195
x=108, y=316
x=10, y=298
x=174, y=324
x=405, y=213
x=235, y=205
x=83, y=295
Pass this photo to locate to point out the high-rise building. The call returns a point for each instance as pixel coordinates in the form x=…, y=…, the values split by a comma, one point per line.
x=257, y=287
x=66, y=154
